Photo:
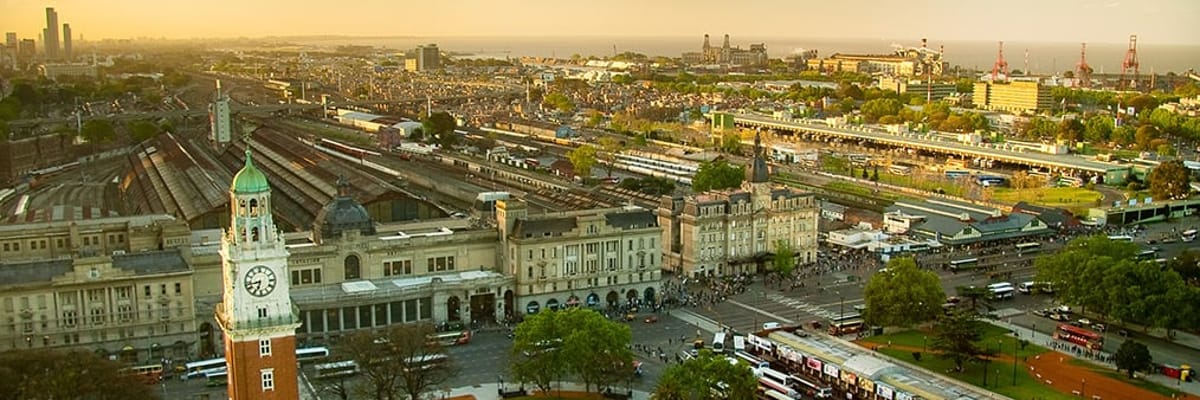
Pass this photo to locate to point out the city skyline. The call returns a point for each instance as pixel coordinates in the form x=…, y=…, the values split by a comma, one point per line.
x=1094, y=21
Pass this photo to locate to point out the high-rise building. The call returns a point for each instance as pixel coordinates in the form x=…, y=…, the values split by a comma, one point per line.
x=10, y=40
x=218, y=118
x=27, y=49
x=1017, y=97
x=51, y=33
x=256, y=311
x=428, y=58
x=66, y=41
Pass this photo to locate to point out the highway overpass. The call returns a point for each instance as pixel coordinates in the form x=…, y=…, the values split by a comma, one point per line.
x=1074, y=165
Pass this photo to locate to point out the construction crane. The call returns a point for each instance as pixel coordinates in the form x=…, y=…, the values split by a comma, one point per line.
x=1083, y=71
x=1129, y=67
x=1000, y=66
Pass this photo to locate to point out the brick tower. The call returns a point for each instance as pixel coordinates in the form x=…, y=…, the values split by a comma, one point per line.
x=256, y=313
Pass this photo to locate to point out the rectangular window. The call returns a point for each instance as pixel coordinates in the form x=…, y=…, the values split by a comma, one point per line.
x=394, y=268
x=262, y=312
x=178, y=288
x=364, y=317
x=268, y=379
x=349, y=318
x=264, y=347
x=396, y=312
x=162, y=288
x=146, y=292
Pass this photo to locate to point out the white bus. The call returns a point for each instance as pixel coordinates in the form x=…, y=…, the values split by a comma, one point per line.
x=772, y=394
x=1029, y=247
x=739, y=343
x=718, y=344
x=754, y=362
x=197, y=369
x=811, y=387
x=1002, y=290
x=1121, y=238
x=336, y=369
x=774, y=380
x=1189, y=235
x=966, y=263
x=307, y=354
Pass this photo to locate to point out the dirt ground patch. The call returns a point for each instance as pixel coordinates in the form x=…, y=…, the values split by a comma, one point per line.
x=1055, y=370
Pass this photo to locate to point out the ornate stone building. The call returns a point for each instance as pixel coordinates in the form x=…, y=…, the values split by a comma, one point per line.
x=735, y=231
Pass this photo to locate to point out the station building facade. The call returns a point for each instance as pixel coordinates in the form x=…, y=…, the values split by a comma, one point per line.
x=121, y=286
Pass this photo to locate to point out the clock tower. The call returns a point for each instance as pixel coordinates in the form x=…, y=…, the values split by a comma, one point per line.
x=256, y=313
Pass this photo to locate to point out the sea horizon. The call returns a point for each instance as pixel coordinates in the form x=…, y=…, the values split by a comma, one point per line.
x=1043, y=57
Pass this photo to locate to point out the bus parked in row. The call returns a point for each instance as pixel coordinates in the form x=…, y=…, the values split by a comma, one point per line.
x=1080, y=336
x=1029, y=247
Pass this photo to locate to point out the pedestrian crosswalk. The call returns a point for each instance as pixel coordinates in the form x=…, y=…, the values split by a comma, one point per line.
x=802, y=306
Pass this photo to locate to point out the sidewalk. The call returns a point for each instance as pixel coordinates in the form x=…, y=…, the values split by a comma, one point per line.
x=488, y=391
x=1045, y=340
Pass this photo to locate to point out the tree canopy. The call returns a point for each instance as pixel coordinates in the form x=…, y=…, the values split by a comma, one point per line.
x=704, y=377
x=717, y=174
x=784, y=261
x=903, y=295
x=1133, y=356
x=956, y=338
x=441, y=125
x=50, y=374
x=1170, y=181
x=1104, y=276
x=98, y=131
x=580, y=343
x=379, y=355
x=583, y=158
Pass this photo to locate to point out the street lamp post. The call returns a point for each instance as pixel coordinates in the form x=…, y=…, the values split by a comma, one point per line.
x=924, y=346
x=1082, y=386
x=1015, y=362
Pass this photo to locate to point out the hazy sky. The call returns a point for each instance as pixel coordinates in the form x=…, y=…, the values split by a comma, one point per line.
x=1155, y=21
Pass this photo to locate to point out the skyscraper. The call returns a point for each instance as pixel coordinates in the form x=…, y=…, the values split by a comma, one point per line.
x=428, y=58
x=66, y=41
x=51, y=33
x=10, y=40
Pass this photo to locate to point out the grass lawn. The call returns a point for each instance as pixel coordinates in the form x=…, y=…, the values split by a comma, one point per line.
x=1071, y=198
x=1026, y=387
x=993, y=336
x=1121, y=376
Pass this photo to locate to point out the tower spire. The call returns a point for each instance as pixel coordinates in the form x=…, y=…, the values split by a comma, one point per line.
x=758, y=167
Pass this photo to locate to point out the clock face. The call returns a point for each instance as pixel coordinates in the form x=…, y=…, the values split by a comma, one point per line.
x=260, y=281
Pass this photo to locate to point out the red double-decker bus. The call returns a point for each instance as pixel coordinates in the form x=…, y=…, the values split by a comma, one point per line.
x=1080, y=336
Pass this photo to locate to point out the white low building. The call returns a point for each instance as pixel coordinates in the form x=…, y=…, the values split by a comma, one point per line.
x=876, y=241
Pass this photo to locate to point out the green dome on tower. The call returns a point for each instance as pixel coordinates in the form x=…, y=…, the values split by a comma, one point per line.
x=249, y=180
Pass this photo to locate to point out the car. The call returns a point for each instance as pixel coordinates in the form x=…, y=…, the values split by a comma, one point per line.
x=771, y=325
x=953, y=300
x=630, y=317
x=651, y=319
x=1099, y=327
x=1059, y=317
x=1041, y=313
x=1085, y=322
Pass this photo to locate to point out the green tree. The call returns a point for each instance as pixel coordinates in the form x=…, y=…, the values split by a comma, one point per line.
x=440, y=125
x=1145, y=136
x=903, y=295
x=976, y=295
x=1097, y=129
x=142, y=130
x=703, y=377
x=583, y=158
x=551, y=345
x=956, y=338
x=1187, y=265
x=784, y=260
x=731, y=142
x=560, y=102
x=417, y=135
x=609, y=148
x=1070, y=130
x=878, y=108
x=1170, y=180
x=716, y=175
x=98, y=131
x=51, y=374
x=1133, y=356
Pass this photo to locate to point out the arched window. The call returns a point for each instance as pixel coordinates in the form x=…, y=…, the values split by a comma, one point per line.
x=352, y=267
x=254, y=234
x=253, y=207
x=242, y=207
